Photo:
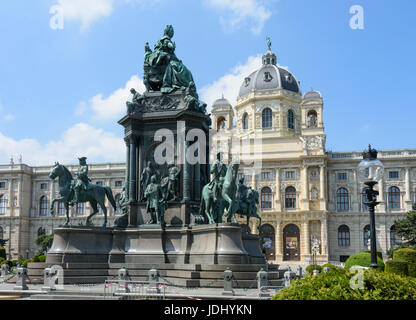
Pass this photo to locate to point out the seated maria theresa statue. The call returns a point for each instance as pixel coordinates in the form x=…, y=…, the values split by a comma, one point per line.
x=163, y=71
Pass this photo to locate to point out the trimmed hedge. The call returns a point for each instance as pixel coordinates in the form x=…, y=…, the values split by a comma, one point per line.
x=405, y=254
x=397, y=267
x=42, y=258
x=311, y=267
x=330, y=286
x=363, y=259
x=411, y=269
x=3, y=253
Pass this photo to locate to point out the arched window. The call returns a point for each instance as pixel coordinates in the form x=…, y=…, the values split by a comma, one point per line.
x=3, y=204
x=245, y=121
x=366, y=235
x=394, y=198
x=266, y=198
x=117, y=198
x=80, y=208
x=266, y=117
x=344, y=236
x=43, y=206
x=312, y=119
x=394, y=238
x=290, y=119
x=342, y=200
x=267, y=236
x=290, y=198
x=220, y=123
x=61, y=208
x=364, y=199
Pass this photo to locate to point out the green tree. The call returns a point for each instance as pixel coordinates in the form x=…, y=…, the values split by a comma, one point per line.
x=406, y=228
x=45, y=242
x=3, y=242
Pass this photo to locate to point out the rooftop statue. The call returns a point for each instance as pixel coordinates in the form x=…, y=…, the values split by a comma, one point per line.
x=163, y=71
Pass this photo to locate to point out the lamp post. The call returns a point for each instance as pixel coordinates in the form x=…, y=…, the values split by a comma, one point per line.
x=370, y=171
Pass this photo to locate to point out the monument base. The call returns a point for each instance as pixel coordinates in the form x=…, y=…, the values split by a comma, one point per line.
x=191, y=255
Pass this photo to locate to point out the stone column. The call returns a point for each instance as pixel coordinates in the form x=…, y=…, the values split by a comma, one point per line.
x=197, y=179
x=186, y=175
x=355, y=205
x=408, y=196
x=127, y=172
x=133, y=170
x=307, y=238
x=324, y=236
x=279, y=241
x=278, y=195
x=322, y=187
x=382, y=206
x=305, y=189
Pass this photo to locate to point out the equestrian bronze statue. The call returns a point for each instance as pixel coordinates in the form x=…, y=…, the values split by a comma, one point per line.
x=94, y=194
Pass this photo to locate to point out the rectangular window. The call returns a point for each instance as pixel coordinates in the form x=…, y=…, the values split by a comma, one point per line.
x=2, y=184
x=290, y=174
x=342, y=176
x=43, y=186
x=118, y=183
x=99, y=183
x=393, y=175
x=266, y=176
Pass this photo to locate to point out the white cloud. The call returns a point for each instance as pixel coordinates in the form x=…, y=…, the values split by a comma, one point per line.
x=229, y=84
x=234, y=13
x=113, y=106
x=8, y=117
x=87, y=11
x=80, y=140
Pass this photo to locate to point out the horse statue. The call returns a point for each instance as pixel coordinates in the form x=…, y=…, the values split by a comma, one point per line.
x=94, y=195
x=214, y=210
x=248, y=209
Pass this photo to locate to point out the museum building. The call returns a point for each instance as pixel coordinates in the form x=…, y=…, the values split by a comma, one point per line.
x=305, y=192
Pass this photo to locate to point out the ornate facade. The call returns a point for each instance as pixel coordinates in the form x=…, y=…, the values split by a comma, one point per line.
x=306, y=193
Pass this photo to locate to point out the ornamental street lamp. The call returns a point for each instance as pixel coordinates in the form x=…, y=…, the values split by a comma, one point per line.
x=370, y=171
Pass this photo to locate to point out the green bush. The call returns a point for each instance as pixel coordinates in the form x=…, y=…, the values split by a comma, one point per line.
x=405, y=254
x=330, y=266
x=411, y=269
x=329, y=286
x=24, y=262
x=311, y=267
x=8, y=262
x=3, y=253
x=397, y=267
x=363, y=259
x=35, y=258
x=42, y=258
x=379, y=253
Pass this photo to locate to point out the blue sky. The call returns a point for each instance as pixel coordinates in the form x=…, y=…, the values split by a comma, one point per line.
x=62, y=91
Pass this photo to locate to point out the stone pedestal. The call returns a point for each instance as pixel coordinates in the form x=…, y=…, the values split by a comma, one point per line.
x=252, y=245
x=197, y=244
